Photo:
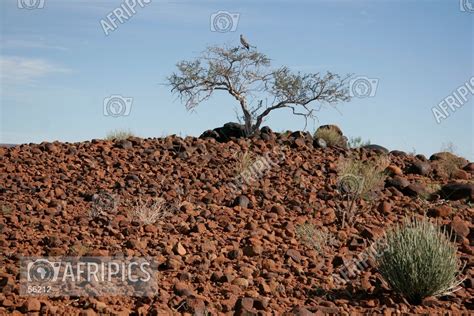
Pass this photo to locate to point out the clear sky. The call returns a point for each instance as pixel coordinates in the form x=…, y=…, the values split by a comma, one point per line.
x=57, y=66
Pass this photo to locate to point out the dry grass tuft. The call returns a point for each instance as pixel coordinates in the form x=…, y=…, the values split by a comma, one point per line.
x=330, y=136
x=449, y=164
x=362, y=177
x=151, y=211
x=314, y=237
x=119, y=134
x=244, y=161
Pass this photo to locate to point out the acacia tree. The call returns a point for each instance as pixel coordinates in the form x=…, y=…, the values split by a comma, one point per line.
x=259, y=89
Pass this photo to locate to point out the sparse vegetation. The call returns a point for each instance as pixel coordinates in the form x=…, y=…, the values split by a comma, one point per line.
x=119, y=134
x=431, y=188
x=418, y=260
x=357, y=142
x=6, y=209
x=151, y=211
x=244, y=161
x=365, y=176
x=356, y=179
x=448, y=147
x=78, y=250
x=449, y=164
x=330, y=136
x=314, y=237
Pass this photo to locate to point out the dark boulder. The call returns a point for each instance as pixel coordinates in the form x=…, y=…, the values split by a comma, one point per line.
x=397, y=182
x=458, y=191
x=415, y=189
x=398, y=153
x=420, y=167
x=421, y=157
x=450, y=157
x=266, y=130
x=300, y=139
x=377, y=148
x=210, y=134
x=233, y=130
x=225, y=133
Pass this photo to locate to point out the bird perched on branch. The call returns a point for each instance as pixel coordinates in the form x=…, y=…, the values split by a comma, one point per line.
x=244, y=42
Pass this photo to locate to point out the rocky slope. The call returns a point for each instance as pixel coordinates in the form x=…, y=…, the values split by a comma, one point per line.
x=226, y=248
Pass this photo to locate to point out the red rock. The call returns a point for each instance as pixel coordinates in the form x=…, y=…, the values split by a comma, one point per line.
x=244, y=303
x=280, y=210
x=241, y=282
x=294, y=254
x=253, y=250
x=394, y=170
x=179, y=249
x=460, y=227
x=329, y=216
x=264, y=288
x=261, y=303
x=183, y=289
x=301, y=311
x=460, y=174
x=440, y=211
x=430, y=302
x=31, y=305
x=196, y=306
x=384, y=207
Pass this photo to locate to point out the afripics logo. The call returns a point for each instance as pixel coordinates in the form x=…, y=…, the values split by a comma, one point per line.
x=30, y=4
x=466, y=5
x=88, y=276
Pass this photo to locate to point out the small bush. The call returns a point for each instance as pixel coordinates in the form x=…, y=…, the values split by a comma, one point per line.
x=244, y=161
x=362, y=177
x=431, y=189
x=449, y=164
x=357, y=142
x=119, y=134
x=448, y=147
x=330, y=136
x=152, y=211
x=418, y=260
x=313, y=237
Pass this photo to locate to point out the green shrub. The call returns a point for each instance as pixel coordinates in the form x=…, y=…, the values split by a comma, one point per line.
x=418, y=260
x=119, y=134
x=330, y=136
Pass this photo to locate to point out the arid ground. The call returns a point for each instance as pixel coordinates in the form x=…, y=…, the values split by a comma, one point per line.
x=225, y=247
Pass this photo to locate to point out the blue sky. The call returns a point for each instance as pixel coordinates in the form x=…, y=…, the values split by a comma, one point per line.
x=57, y=66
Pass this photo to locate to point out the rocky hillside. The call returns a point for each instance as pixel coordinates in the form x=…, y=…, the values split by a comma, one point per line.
x=228, y=246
